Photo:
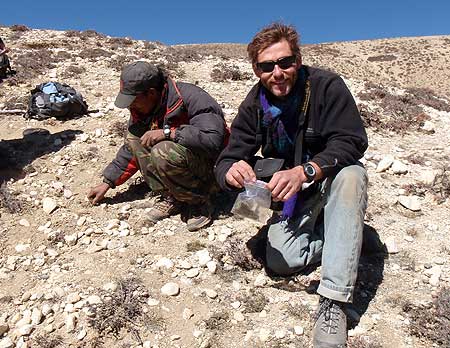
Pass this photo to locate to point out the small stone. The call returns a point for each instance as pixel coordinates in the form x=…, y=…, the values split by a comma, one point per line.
x=73, y=297
x=81, y=221
x=192, y=273
x=299, y=330
x=183, y=264
x=94, y=299
x=260, y=280
x=280, y=333
x=410, y=202
x=211, y=293
x=71, y=322
x=36, y=316
x=212, y=266
x=427, y=177
x=238, y=316
x=71, y=239
x=147, y=344
x=264, y=335
x=20, y=248
x=49, y=205
x=82, y=334
x=170, y=289
x=112, y=286
x=197, y=333
x=235, y=304
x=164, y=262
x=4, y=328
x=391, y=246
x=187, y=314
x=438, y=260
x=409, y=239
x=6, y=343
x=203, y=257
x=152, y=302
x=46, y=309
x=385, y=164
x=428, y=126
x=399, y=167
x=24, y=330
x=67, y=194
x=24, y=222
x=175, y=337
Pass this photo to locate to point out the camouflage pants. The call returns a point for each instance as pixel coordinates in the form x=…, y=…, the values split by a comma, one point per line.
x=168, y=166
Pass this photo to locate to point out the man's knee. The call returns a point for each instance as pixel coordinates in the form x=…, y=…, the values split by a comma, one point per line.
x=351, y=180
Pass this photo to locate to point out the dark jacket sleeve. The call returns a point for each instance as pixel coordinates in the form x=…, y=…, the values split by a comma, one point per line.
x=121, y=168
x=207, y=128
x=243, y=144
x=341, y=127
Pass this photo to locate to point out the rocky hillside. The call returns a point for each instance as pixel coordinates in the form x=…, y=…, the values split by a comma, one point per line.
x=77, y=275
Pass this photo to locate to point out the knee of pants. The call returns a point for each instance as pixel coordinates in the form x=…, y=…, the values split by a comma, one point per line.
x=351, y=182
x=165, y=156
x=278, y=263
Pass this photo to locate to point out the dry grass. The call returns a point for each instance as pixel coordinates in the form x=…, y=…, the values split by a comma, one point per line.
x=223, y=72
x=48, y=341
x=10, y=201
x=431, y=323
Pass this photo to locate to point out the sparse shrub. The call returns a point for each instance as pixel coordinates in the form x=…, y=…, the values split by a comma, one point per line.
x=217, y=321
x=148, y=45
x=254, y=301
x=194, y=246
x=48, y=341
x=431, y=322
x=238, y=253
x=119, y=129
x=74, y=70
x=83, y=35
x=429, y=98
x=123, y=310
x=223, y=72
x=120, y=41
x=19, y=27
x=93, y=53
x=9, y=201
x=31, y=64
x=382, y=58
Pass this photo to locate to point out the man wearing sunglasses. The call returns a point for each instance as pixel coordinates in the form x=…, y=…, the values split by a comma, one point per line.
x=175, y=133
x=306, y=120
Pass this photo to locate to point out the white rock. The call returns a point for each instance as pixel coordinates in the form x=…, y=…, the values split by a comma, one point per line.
x=71, y=239
x=36, y=316
x=111, y=286
x=212, y=266
x=280, y=333
x=427, y=177
x=238, y=316
x=260, y=280
x=67, y=194
x=20, y=248
x=24, y=222
x=170, y=289
x=438, y=260
x=46, y=309
x=410, y=202
x=94, y=299
x=192, y=273
x=264, y=334
x=82, y=334
x=6, y=342
x=299, y=330
x=147, y=344
x=24, y=330
x=187, y=314
x=235, y=304
x=399, y=167
x=49, y=205
x=152, y=302
x=197, y=333
x=71, y=322
x=164, y=262
x=81, y=221
x=184, y=264
x=203, y=257
x=73, y=297
x=428, y=126
x=385, y=164
x=211, y=293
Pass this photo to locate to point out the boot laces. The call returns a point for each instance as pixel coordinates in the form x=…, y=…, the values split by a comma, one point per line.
x=331, y=312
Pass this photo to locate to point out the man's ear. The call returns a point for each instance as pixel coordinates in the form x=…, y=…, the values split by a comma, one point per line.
x=298, y=62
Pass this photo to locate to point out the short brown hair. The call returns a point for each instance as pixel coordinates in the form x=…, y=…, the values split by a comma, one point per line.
x=270, y=35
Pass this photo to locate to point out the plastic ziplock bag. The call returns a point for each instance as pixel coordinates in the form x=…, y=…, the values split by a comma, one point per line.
x=254, y=202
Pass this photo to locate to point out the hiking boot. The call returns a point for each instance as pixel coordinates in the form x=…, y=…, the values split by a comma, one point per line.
x=166, y=206
x=199, y=216
x=330, y=327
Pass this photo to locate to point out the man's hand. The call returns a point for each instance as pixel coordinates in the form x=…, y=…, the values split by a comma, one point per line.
x=285, y=183
x=152, y=137
x=97, y=193
x=238, y=173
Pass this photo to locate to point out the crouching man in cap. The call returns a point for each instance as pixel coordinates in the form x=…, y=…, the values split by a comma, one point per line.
x=311, y=134
x=176, y=131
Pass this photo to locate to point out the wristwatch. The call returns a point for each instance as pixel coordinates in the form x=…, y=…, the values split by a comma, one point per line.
x=310, y=171
x=166, y=131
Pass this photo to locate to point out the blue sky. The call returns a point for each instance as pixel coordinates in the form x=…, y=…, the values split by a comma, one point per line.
x=173, y=22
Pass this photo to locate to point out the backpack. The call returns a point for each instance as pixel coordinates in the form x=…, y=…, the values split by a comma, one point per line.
x=54, y=99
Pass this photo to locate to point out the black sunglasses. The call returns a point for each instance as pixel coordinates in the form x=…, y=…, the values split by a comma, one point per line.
x=283, y=63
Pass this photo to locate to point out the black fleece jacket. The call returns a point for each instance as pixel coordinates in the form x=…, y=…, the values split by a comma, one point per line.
x=334, y=138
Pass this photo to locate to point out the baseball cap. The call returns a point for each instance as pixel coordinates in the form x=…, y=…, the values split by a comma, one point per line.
x=136, y=78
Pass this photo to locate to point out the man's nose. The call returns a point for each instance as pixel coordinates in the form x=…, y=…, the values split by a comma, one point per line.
x=277, y=71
